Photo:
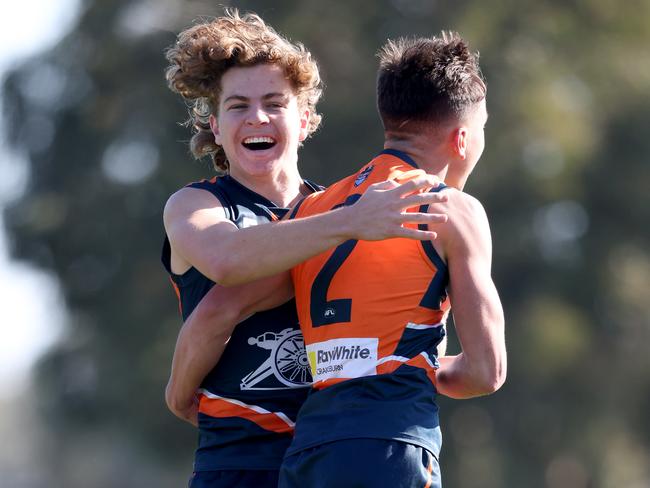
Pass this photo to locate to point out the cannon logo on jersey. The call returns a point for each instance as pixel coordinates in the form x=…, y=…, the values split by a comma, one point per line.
x=287, y=362
x=343, y=358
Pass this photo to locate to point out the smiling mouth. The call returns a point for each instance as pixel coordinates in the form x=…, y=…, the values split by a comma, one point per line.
x=258, y=143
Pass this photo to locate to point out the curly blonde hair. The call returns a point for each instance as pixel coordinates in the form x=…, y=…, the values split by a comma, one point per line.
x=204, y=52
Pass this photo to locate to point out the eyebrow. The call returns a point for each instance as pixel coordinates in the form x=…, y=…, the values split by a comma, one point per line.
x=267, y=96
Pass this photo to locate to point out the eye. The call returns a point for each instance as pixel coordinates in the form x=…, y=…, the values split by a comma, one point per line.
x=237, y=106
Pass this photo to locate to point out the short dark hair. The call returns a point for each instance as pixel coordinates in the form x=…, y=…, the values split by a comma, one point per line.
x=427, y=80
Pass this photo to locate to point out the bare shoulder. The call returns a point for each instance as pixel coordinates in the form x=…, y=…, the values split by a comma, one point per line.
x=465, y=207
x=468, y=225
x=188, y=201
x=193, y=218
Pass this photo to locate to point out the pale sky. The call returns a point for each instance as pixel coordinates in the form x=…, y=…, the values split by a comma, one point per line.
x=31, y=312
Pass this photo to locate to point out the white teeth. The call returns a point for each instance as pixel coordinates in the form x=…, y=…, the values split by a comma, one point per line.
x=252, y=140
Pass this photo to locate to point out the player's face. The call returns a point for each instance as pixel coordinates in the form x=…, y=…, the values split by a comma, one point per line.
x=260, y=124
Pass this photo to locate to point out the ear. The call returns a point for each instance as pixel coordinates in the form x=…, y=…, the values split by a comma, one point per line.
x=459, y=142
x=214, y=126
x=304, y=125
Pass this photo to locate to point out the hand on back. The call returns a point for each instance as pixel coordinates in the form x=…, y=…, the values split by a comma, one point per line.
x=382, y=211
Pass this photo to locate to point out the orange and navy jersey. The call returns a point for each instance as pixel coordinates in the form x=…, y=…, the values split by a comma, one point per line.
x=249, y=401
x=372, y=316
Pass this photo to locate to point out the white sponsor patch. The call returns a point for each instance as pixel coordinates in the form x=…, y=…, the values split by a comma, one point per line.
x=343, y=358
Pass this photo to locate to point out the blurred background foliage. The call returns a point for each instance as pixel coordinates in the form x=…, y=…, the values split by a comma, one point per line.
x=565, y=179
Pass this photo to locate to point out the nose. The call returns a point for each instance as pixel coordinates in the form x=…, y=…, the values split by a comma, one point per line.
x=257, y=116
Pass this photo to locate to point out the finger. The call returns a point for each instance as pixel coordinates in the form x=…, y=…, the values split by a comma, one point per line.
x=412, y=185
x=434, y=181
x=424, y=218
x=419, y=183
x=420, y=235
x=418, y=199
x=427, y=180
x=384, y=185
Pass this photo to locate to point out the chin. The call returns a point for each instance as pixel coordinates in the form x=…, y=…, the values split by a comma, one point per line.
x=259, y=168
x=263, y=164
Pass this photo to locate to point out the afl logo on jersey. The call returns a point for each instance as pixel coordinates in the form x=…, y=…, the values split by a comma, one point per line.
x=287, y=363
x=363, y=175
x=329, y=312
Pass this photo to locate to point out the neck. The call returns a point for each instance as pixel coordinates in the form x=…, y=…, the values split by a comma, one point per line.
x=430, y=155
x=283, y=188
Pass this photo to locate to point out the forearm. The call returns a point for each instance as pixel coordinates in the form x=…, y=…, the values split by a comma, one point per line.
x=255, y=252
x=204, y=335
x=458, y=378
x=480, y=330
x=201, y=236
x=480, y=369
x=198, y=349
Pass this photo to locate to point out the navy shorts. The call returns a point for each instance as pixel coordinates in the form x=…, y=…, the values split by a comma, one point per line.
x=229, y=478
x=361, y=463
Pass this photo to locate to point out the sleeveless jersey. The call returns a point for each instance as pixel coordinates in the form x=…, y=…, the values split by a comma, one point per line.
x=372, y=315
x=249, y=401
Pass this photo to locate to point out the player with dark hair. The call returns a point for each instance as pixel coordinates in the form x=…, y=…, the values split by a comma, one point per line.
x=254, y=98
x=373, y=313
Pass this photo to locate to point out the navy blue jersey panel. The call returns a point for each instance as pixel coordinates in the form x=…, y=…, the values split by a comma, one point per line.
x=417, y=340
x=263, y=370
x=399, y=406
x=253, y=368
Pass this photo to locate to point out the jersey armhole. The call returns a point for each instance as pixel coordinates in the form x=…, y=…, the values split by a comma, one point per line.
x=217, y=193
x=427, y=248
x=315, y=188
x=431, y=256
x=180, y=280
x=294, y=211
x=192, y=273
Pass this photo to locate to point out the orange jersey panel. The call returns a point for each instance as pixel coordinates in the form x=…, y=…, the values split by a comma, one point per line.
x=365, y=307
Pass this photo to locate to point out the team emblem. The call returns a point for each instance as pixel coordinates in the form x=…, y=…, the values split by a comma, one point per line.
x=363, y=175
x=287, y=362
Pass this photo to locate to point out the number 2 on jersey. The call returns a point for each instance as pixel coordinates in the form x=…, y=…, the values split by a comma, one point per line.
x=325, y=312
x=322, y=311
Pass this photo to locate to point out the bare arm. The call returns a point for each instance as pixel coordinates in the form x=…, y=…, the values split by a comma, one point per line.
x=201, y=235
x=480, y=368
x=206, y=331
